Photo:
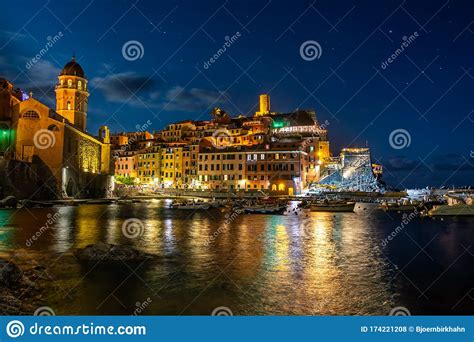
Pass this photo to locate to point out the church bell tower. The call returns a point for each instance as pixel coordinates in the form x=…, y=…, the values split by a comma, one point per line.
x=72, y=94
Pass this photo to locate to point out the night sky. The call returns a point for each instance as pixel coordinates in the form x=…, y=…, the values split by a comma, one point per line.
x=427, y=90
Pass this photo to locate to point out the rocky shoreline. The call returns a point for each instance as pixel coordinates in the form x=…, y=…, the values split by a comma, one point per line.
x=20, y=293
x=109, y=254
x=22, y=289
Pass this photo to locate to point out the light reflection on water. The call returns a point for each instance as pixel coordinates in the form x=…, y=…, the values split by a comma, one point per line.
x=306, y=264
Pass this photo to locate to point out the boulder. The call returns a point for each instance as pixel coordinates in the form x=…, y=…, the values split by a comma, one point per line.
x=16, y=290
x=103, y=252
x=10, y=304
x=9, y=202
x=10, y=274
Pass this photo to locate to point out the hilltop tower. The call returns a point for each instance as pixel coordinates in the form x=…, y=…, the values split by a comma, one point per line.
x=264, y=105
x=72, y=94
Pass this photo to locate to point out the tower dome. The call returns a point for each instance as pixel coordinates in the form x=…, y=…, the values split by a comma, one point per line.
x=72, y=68
x=72, y=94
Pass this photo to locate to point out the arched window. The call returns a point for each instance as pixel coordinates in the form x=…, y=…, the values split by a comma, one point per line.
x=79, y=85
x=69, y=83
x=69, y=105
x=53, y=128
x=61, y=82
x=31, y=114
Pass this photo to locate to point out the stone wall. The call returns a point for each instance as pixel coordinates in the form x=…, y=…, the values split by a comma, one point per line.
x=26, y=180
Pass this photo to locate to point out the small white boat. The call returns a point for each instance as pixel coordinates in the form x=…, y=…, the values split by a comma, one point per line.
x=419, y=194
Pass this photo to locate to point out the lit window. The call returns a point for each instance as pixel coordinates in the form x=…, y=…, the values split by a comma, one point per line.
x=31, y=114
x=79, y=85
x=69, y=83
x=69, y=105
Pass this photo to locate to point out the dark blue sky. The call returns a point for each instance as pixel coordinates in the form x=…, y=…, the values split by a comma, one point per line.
x=426, y=90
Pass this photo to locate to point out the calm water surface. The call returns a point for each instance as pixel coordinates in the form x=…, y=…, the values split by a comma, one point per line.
x=306, y=264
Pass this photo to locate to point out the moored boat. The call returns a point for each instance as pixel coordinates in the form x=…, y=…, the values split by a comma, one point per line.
x=400, y=205
x=333, y=206
x=190, y=205
x=361, y=207
x=265, y=209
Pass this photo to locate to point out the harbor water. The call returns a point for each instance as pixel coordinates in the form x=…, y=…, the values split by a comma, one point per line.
x=303, y=263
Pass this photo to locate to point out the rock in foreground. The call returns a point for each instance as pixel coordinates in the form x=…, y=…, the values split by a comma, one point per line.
x=17, y=292
x=109, y=253
x=10, y=273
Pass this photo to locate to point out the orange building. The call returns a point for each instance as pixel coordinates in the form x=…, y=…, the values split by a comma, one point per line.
x=126, y=164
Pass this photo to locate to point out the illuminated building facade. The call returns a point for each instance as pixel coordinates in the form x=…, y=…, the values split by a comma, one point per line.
x=148, y=165
x=268, y=151
x=125, y=164
x=351, y=171
x=53, y=145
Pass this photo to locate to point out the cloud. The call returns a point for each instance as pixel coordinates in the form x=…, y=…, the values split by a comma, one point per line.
x=12, y=35
x=401, y=164
x=439, y=170
x=142, y=91
x=124, y=87
x=187, y=100
x=41, y=79
x=442, y=162
x=453, y=162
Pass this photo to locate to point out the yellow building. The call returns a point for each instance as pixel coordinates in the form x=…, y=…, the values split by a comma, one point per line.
x=221, y=170
x=172, y=166
x=275, y=152
x=52, y=146
x=148, y=165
